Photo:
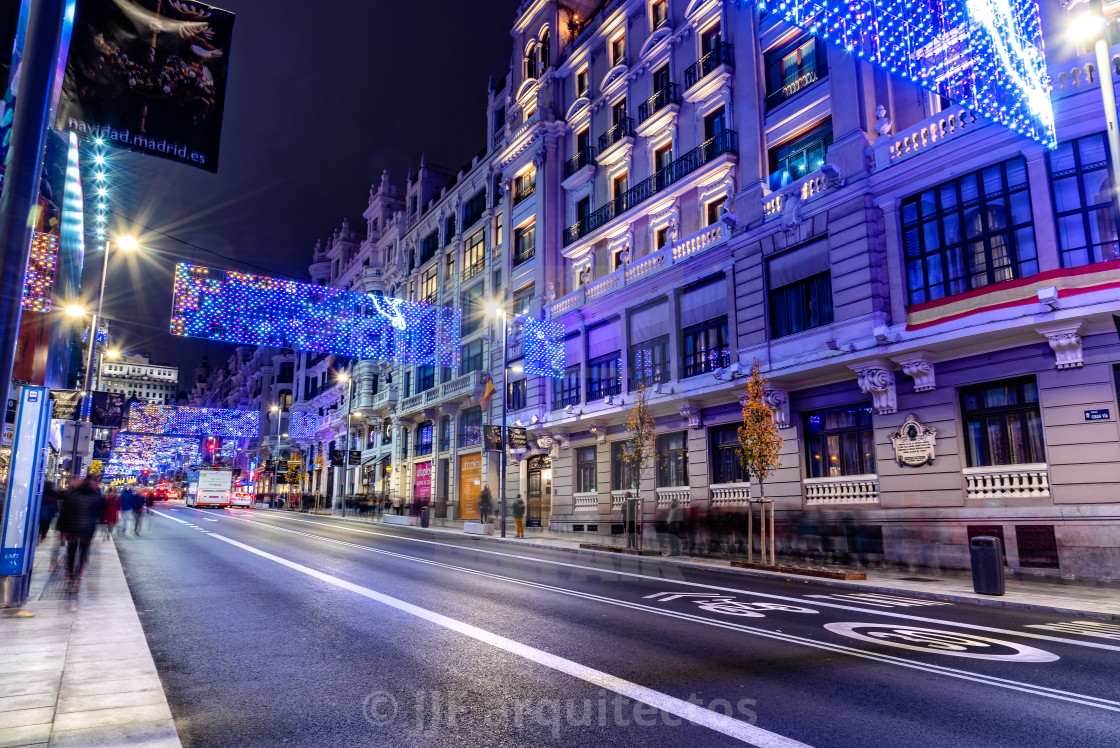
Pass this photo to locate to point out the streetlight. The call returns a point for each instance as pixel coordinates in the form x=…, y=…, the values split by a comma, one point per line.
x=112, y=353
x=276, y=459
x=1092, y=26
x=495, y=309
x=344, y=376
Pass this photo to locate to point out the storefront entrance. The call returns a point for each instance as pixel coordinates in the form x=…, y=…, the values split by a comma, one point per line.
x=538, y=501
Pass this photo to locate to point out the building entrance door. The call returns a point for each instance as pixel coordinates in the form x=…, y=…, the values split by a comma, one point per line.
x=538, y=502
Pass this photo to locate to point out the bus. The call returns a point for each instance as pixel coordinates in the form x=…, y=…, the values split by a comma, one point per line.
x=209, y=487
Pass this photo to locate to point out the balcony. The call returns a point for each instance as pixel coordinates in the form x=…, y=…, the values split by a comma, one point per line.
x=583, y=159
x=1030, y=481
x=474, y=269
x=725, y=142
x=524, y=254
x=667, y=96
x=597, y=389
x=411, y=404
x=666, y=496
x=730, y=494
x=707, y=64
x=464, y=386
x=585, y=502
x=845, y=489
x=386, y=398
x=524, y=191
x=623, y=129
x=921, y=137
x=706, y=362
x=795, y=86
x=559, y=403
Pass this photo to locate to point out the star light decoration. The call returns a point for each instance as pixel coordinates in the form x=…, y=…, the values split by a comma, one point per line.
x=188, y=421
x=986, y=55
x=543, y=347
x=259, y=310
x=133, y=453
x=38, y=284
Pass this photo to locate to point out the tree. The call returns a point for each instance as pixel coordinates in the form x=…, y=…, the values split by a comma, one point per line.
x=640, y=447
x=95, y=469
x=759, y=442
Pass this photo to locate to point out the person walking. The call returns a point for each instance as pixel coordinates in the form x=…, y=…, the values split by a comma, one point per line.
x=79, y=512
x=48, y=509
x=519, y=516
x=674, y=522
x=112, y=513
x=484, y=502
x=128, y=501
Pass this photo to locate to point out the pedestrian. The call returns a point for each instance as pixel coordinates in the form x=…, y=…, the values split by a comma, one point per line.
x=48, y=509
x=112, y=514
x=674, y=519
x=519, y=516
x=79, y=512
x=484, y=502
x=138, y=501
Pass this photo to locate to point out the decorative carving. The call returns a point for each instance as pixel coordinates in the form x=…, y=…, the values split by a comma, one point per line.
x=692, y=413
x=914, y=443
x=876, y=378
x=883, y=125
x=791, y=208
x=600, y=432
x=1065, y=341
x=918, y=367
x=777, y=400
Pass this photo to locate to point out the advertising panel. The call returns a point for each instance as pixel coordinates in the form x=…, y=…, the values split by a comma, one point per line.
x=423, y=486
x=470, y=485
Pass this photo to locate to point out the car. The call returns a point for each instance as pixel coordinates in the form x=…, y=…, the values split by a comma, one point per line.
x=241, y=498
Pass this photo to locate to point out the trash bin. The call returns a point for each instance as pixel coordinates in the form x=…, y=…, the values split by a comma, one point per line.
x=425, y=516
x=987, y=564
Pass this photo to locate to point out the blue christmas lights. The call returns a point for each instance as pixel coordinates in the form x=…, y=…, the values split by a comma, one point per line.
x=169, y=420
x=133, y=453
x=543, y=347
x=259, y=310
x=302, y=425
x=986, y=55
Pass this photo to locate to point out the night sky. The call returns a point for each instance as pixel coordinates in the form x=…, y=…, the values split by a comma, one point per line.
x=321, y=98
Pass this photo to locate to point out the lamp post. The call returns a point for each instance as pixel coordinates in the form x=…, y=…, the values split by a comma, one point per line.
x=349, y=380
x=497, y=310
x=111, y=353
x=1093, y=26
x=276, y=460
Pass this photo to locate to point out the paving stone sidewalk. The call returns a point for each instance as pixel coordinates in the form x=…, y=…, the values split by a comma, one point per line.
x=1042, y=594
x=79, y=673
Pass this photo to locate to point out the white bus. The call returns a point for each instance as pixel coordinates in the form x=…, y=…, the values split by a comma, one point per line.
x=209, y=488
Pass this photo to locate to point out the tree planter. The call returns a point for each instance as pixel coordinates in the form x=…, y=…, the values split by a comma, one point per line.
x=804, y=571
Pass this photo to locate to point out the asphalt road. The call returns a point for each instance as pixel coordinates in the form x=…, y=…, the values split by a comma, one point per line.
x=270, y=628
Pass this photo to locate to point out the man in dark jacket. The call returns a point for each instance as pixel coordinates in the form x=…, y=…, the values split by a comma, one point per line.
x=519, y=516
x=48, y=508
x=484, y=503
x=79, y=512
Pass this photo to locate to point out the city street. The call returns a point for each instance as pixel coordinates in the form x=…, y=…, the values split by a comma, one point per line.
x=271, y=628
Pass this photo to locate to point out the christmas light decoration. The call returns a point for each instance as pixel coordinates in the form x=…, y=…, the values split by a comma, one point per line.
x=133, y=453
x=170, y=420
x=543, y=347
x=38, y=284
x=259, y=310
x=302, y=425
x=986, y=55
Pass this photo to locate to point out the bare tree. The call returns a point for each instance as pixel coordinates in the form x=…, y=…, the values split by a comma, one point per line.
x=640, y=449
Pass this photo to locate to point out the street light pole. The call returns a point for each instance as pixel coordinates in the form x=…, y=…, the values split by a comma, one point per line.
x=349, y=379
x=1108, y=94
x=502, y=436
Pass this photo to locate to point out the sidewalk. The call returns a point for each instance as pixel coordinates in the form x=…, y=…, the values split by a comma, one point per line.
x=79, y=673
x=954, y=585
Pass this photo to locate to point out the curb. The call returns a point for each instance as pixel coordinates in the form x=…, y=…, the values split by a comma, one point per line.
x=738, y=571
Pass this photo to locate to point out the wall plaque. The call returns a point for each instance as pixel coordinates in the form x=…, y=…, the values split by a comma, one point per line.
x=914, y=443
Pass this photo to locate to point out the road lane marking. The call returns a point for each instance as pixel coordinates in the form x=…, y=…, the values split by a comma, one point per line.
x=694, y=713
x=879, y=599
x=701, y=585
x=948, y=643
x=1086, y=628
x=1030, y=688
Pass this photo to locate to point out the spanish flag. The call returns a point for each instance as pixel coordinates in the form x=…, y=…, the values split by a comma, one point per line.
x=488, y=391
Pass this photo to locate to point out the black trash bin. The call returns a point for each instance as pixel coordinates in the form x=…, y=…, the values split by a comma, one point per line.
x=987, y=564
x=425, y=516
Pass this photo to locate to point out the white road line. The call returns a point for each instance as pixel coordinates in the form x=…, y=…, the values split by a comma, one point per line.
x=701, y=585
x=1030, y=688
x=692, y=712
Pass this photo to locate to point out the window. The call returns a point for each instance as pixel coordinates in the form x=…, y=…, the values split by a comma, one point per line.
x=586, y=468
x=659, y=13
x=793, y=68
x=1038, y=548
x=545, y=51
x=618, y=185
x=969, y=233
x=583, y=80
x=662, y=157
x=798, y=157
x=623, y=476
x=583, y=209
x=472, y=356
x=711, y=210
x=444, y=433
x=406, y=391
x=661, y=237
x=1003, y=425
x=412, y=205
x=524, y=185
x=1083, y=206
x=618, y=50
x=474, y=256
x=404, y=443
x=424, y=438
x=475, y=207
x=450, y=273
x=800, y=284
x=672, y=460
x=840, y=442
x=522, y=298
x=429, y=284
x=710, y=39
x=515, y=395
x=474, y=308
x=649, y=362
x=524, y=243
x=425, y=378
x=448, y=230
x=470, y=427
x=565, y=389
x=715, y=122
x=497, y=242
x=603, y=377
x=726, y=466
x=583, y=140
x=618, y=111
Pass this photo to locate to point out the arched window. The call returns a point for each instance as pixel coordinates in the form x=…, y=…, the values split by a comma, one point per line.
x=531, y=62
x=545, y=49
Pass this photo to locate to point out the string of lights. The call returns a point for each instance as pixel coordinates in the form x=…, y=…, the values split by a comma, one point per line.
x=167, y=420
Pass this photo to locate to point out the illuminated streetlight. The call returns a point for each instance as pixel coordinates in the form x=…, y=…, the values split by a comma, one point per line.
x=1091, y=27
x=128, y=243
x=75, y=310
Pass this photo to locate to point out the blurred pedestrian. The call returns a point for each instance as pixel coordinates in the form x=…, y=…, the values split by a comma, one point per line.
x=79, y=512
x=674, y=522
x=48, y=509
x=112, y=513
x=519, y=516
x=484, y=502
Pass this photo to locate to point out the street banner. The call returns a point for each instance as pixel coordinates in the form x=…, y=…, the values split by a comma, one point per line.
x=423, y=489
x=336, y=458
x=269, y=466
x=518, y=437
x=149, y=76
x=102, y=448
x=492, y=438
x=355, y=457
x=66, y=404
x=108, y=410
